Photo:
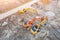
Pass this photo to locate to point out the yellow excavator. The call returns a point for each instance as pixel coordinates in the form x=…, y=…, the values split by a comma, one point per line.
x=26, y=9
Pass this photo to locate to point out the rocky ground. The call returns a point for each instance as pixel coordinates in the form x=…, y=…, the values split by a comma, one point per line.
x=11, y=29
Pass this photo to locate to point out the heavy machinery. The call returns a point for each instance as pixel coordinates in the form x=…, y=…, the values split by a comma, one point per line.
x=35, y=24
x=27, y=9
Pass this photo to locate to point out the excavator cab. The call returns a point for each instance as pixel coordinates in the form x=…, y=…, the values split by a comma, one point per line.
x=34, y=30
